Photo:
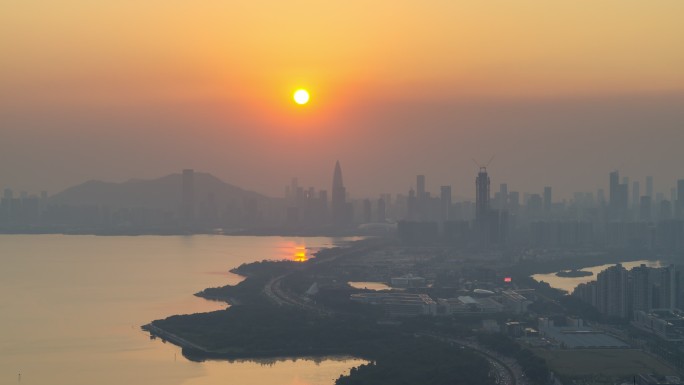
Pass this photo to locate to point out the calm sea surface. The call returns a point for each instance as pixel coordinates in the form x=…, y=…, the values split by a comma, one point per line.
x=570, y=283
x=71, y=308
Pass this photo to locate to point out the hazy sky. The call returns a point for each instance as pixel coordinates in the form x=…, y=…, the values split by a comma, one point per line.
x=560, y=92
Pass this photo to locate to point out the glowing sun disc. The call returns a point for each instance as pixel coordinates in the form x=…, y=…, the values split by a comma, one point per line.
x=301, y=96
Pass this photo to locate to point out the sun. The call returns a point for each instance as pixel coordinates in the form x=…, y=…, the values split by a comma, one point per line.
x=301, y=96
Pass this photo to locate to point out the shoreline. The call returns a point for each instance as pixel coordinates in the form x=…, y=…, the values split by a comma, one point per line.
x=571, y=279
x=197, y=352
x=180, y=232
x=585, y=262
x=157, y=332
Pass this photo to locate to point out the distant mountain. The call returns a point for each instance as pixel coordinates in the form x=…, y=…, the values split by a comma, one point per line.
x=162, y=193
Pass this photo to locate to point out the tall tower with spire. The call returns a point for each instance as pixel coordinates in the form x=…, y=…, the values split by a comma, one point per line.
x=339, y=198
x=481, y=195
x=482, y=207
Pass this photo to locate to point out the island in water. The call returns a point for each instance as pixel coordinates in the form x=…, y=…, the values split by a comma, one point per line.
x=574, y=273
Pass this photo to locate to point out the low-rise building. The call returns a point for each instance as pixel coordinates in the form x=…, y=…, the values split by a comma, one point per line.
x=665, y=323
x=468, y=304
x=490, y=326
x=408, y=280
x=514, y=302
x=578, y=337
x=399, y=304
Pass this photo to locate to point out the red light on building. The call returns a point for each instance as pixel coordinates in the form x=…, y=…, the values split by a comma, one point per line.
x=508, y=279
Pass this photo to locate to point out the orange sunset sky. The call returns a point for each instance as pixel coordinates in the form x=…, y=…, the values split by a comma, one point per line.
x=561, y=92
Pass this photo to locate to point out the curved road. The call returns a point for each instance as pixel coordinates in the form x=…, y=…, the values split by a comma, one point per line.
x=277, y=294
x=506, y=370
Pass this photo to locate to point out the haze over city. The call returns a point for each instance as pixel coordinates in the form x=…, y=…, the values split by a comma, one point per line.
x=560, y=94
x=310, y=192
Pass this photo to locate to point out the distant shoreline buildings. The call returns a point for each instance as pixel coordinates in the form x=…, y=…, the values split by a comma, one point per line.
x=192, y=202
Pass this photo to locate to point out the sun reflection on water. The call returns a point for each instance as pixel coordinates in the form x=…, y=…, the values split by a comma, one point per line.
x=300, y=254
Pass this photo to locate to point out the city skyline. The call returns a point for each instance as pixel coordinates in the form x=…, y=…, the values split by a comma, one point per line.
x=461, y=191
x=497, y=220
x=433, y=88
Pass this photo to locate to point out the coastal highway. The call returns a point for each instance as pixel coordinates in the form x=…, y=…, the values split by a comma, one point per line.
x=174, y=339
x=275, y=292
x=505, y=370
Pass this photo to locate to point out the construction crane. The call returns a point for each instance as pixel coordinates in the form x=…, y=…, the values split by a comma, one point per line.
x=483, y=168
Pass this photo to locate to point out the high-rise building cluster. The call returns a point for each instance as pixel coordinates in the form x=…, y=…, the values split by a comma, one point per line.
x=480, y=224
x=588, y=220
x=309, y=209
x=498, y=217
x=341, y=209
x=619, y=292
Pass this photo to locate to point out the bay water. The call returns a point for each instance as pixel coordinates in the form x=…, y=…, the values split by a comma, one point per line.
x=71, y=307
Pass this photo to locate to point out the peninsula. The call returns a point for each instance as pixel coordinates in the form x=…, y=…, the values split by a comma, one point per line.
x=303, y=309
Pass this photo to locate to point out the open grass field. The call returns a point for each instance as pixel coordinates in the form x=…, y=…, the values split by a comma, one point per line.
x=615, y=363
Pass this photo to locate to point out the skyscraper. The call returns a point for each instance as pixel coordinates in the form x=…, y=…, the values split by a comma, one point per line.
x=645, y=208
x=534, y=206
x=503, y=196
x=188, y=196
x=649, y=186
x=382, y=210
x=411, y=206
x=367, y=211
x=339, y=198
x=547, y=198
x=420, y=187
x=445, y=202
x=641, y=287
x=636, y=194
x=513, y=201
x=665, y=210
x=482, y=207
x=667, y=279
x=613, y=193
x=679, y=205
x=618, y=197
x=623, y=199
x=422, y=206
x=612, y=291
x=294, y=187
x=481, y=194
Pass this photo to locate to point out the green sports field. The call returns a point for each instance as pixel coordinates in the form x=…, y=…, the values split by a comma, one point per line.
x=602, y=364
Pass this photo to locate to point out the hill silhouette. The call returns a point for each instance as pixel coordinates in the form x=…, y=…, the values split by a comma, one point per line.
x=161, y=193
